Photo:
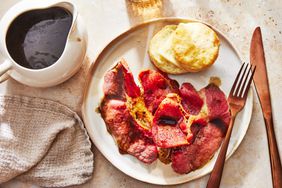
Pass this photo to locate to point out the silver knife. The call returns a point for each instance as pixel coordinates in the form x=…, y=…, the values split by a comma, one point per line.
x=262, y=87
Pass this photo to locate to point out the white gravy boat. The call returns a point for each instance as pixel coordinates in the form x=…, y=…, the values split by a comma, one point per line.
x=69, y=62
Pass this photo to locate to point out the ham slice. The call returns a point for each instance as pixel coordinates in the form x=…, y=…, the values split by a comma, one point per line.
x=119, y=87
x=208, y=138
x=191, y=157
x=156, y=86
x=191, y=100
x=218, y=108
x=166, y=129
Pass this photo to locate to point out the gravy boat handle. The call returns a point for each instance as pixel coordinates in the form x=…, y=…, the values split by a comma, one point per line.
x=4, y=67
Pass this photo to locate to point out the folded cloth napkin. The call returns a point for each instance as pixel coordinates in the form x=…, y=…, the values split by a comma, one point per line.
x=43, y=142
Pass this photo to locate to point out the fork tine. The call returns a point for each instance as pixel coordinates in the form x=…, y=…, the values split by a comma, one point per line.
x=240, y=82
x=249, y=83
x=245, y=80
x=237, y=77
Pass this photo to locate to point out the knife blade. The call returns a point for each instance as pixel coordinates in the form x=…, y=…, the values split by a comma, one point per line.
x=257, y=58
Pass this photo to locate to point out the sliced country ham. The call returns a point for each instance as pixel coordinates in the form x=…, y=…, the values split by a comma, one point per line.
x=167, y=123
x=184, y=125
x=156, y=86
x=208, y=139
x=191, y=100
x=119, y=90
x=218, y=108
x=191, y=157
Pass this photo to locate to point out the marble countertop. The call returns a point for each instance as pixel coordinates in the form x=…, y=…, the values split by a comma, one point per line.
x=249, y=166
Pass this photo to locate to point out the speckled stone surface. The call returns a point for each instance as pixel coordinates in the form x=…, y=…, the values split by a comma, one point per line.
x=249, y=166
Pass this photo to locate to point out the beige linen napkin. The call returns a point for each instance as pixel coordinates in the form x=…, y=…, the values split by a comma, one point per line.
x=43, y=142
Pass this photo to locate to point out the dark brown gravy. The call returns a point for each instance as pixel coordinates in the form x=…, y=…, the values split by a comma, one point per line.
x=36, y=39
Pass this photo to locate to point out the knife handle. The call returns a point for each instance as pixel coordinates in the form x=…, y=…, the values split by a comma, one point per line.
x=276, y=168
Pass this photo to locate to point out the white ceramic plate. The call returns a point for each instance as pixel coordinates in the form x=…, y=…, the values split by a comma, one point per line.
x=133, y=46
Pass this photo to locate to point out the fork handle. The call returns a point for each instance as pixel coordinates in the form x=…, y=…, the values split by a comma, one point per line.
x=276, y=168
x=215, y=177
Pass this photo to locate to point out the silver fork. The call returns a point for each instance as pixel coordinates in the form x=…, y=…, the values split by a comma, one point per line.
x=236, y=99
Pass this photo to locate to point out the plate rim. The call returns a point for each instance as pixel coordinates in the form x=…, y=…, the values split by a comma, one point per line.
x=112, y=42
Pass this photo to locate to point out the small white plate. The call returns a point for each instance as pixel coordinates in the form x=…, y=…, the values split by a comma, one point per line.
x=133, y=46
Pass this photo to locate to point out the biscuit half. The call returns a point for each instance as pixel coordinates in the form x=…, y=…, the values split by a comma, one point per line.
x=195, y=46
x=159, y=41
